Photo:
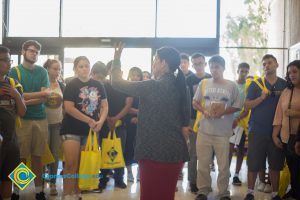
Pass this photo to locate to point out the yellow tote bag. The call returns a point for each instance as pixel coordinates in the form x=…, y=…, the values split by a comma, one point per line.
x=199, y=114
x=112, y=154
x=90, y=163
x=285, y=179
x=46, y=158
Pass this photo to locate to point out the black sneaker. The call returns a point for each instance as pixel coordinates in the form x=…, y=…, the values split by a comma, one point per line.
x=121, y=185
x=102, y=184
x=40, y=196
x=277, y=197
x=201, y=197
x=249, y=197
x=15, y=196
x=225, y=198
x=236, y=181
x=193, y=187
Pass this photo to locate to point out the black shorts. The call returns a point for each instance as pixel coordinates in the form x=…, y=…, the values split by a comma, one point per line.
x=261, y=147
x=9, y=158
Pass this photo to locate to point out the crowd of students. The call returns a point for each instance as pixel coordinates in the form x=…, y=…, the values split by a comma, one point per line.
x=163, y=120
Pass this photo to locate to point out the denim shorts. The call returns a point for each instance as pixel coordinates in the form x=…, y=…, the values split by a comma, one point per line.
x=81, y=139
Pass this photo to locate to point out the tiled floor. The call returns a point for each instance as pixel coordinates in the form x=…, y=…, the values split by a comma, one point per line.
x=132, y=190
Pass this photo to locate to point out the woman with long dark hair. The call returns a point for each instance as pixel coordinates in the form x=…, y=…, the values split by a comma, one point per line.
x=163, y=121
x=135, y=74
x=286, y=121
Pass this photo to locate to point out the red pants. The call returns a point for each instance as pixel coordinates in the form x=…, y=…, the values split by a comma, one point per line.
x=158, y=179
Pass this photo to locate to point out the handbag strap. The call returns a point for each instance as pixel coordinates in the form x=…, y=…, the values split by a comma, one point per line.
x=88, y=145
x=289, y=107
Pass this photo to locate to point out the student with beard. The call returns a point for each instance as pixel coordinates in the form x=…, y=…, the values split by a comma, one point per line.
x=32, y=137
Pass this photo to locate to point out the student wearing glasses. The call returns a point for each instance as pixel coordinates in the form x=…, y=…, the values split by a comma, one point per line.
x=11, y=104
x=32, y=137
x=262, y=98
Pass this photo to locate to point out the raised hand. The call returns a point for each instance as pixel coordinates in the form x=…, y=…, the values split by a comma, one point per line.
x=118, y=50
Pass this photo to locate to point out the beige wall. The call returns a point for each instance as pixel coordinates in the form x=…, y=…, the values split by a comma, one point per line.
x=284, y=30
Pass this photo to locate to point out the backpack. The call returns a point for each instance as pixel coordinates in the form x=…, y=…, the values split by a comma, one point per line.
x=15, y=84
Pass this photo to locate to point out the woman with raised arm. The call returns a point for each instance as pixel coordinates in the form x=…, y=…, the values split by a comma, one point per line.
x=163, y=125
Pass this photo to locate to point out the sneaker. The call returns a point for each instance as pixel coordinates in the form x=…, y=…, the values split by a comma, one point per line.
x=249, y=197
x=130, y=177
x=277, y=197
x=40, y=196
x=261, y=186
x=194, y=188
x=236, y=181
x=53, y=190
x=268, y=188
x=225, y=198
x=15, y=196
x=102, y=184
x=121, y=185
x=201, y=197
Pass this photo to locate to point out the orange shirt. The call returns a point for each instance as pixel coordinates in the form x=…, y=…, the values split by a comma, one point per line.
x=280, y=117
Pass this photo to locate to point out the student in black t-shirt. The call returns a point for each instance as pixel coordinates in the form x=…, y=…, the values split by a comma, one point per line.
x=86, y=108
x=192, y=81
x=119, y=106
x=135, y=74
x=11, y=104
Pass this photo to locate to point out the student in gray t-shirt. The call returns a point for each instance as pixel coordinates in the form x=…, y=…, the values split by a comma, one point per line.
x=221, y=99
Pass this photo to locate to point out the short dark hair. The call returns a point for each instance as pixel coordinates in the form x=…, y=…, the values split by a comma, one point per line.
x=184, y=56
x=267, y=56
x=243, y=65
x=198, y=55
x=99, y=68
x=29, y=43
x=217, y=59
x=4, y=49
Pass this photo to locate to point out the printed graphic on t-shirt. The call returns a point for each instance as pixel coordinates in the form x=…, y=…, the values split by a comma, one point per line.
x=217, y=95
x=89, y=96
x=54, y=100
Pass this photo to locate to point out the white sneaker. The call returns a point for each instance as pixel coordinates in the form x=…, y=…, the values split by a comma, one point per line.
x=130, y=177
x=53, y=190
x=268, y=188
x=261, y=186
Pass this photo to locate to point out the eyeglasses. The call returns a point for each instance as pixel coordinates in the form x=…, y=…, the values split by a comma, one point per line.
x=33, y=51
x=6, y=60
